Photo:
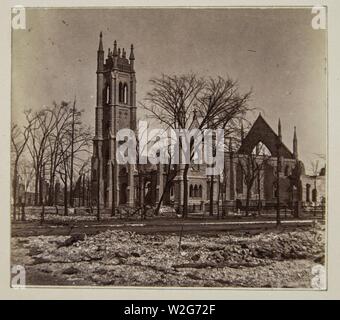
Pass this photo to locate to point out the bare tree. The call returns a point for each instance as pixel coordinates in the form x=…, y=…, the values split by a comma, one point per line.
x=64, y=172
x=315, y=172
x=26, y=176
x=19, y=141
x=72, y=153
x=72, y=150
x=69, y=130
x=222, y=107
x=63, y=117
x=59, y=141
x=252, y=166
x=41, y=128
x=173, y=100
x=170, y=175
x=140, y=167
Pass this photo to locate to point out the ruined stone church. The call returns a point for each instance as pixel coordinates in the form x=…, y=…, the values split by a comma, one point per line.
x=119, y=185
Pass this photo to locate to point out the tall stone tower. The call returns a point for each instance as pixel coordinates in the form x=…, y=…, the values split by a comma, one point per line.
x=113, y=184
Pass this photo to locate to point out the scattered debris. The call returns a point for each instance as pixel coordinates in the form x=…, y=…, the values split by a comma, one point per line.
x=70, y=270
x=72, y=239
x=116, y=257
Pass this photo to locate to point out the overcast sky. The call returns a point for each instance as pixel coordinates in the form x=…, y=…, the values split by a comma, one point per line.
x=274, y=52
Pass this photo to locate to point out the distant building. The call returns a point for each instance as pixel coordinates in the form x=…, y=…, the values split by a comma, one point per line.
x=292, y=177
x=314, y=188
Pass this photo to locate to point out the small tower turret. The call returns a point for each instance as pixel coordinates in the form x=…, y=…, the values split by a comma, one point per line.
x=100, y=54
x=295, y=145
x=115, y=55
x=115, y=52
x=242, y=132
x=279, y=130
x=132, y=57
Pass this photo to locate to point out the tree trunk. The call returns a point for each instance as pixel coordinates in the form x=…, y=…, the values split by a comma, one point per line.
x=218, y=197
x=72, y=155
x=51, y=193
x=42, y=197
x=211, y=196
x=88, y=198
x=15, y=182
x=83, y=202
x=140, y=188
x=90, y=195
x=40, y=187
x=36, y=187
x=65, y=197
x=185, y=192
x=156, y=213
x=259, y=205
x=170, y=176
x=42, y=218
x=166, y=187
x=51, y=197
x=23, y=215
x=278, y=218
x=247, y=200
x=224, y=197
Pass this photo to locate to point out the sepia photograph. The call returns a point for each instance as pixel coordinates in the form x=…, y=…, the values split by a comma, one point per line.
x=169, y=147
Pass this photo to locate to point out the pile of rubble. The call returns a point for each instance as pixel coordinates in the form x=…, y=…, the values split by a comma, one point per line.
x=127, y=258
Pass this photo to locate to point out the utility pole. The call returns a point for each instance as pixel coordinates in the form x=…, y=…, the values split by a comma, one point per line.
x=98, y=190
x=42, y=179
x=83, y=190
x=72, y=152
x=278, y=169
x=315, y=196
x=113, y=205
x=90, y=190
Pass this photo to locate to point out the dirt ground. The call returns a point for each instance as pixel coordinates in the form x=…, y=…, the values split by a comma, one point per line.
x=276, y=259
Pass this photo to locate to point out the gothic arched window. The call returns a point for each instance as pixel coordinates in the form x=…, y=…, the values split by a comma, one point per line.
x=120, y=92
x=314, y=195
x=125, y=94
x=274, y=190
x=191, y=191
x=200, y=191
x=287, y=170
x=195, y=191
x=108, y=94
x=172, y=191
x=307, y=192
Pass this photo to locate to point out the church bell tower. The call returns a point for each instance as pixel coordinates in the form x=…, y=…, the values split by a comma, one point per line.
x=113, y=184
